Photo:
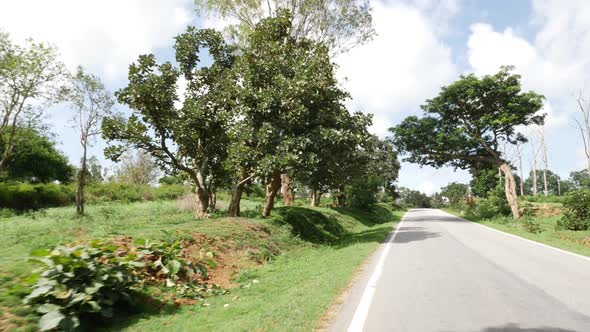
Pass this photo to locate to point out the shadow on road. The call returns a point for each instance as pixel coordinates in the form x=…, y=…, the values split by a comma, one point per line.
x=434, y=219
x=516, y=328
x=412, y=234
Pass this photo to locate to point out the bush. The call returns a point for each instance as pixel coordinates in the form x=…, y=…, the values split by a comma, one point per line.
x=362, y=193
x=80, y=280
x=127, y=193
x=576, y=216
x=544, y=199
x=495, y=205
x=25, y=196
x=530, y=226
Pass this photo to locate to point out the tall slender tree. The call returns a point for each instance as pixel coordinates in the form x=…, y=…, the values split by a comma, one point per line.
x=91, y=102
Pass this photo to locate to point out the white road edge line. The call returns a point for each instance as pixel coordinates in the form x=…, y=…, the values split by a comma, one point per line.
x=362, y=310
x=522, y=238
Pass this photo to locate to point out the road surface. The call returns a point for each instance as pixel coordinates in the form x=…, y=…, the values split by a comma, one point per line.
x=438, y=272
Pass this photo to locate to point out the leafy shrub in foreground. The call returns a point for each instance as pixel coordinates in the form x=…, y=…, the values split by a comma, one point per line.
x=80, y=280
x=576, y=216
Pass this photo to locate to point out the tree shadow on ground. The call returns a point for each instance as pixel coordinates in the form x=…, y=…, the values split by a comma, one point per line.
x=311, y=225
x=412, y=234
x=145, y=307
x=515, y=328
x=377, y=214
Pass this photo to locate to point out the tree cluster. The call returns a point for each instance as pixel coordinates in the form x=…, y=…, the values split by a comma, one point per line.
x=268, y=110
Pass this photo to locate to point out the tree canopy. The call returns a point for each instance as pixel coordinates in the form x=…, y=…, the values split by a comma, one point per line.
x=338, y=24
x=35, y=158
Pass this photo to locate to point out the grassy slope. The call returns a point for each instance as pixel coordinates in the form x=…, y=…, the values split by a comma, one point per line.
x=568, y=240
x=320, y=250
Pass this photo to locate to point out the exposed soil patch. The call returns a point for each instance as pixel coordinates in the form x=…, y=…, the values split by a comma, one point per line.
x=8, y=320
x=583, y=241
x=545, y=210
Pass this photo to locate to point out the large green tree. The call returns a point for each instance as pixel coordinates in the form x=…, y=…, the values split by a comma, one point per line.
x=193, y=138
x=467, y=124
x=339, y=24
x=29, y=74
x=35, y=158
x=455, y=192
x=288, y=92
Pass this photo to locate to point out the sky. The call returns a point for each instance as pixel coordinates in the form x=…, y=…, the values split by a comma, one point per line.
x=420, y=46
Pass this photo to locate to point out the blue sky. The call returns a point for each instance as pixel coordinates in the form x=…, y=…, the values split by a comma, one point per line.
x=421, y=45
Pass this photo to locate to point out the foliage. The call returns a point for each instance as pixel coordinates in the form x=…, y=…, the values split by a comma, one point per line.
x=455, y=192
x=494, y=205
x=25, y=196
x=165, y=258
x=123, y=192
x=35, y=158
x=465, y=124
x=413, y=199
x=576, y=216
x=552, y=183
x=483, y=181
x=362, y=192
x=339, y=24
x=531, y=226
x=75, y=281
x=580, y=179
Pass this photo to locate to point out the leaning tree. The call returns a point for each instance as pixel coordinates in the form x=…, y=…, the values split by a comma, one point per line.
x=466, y=125
x=191, y=139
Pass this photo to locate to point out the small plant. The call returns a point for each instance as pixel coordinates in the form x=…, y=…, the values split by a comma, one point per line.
x=164, y=260
x=530, y=226
x=80, y=280
x=576, y=216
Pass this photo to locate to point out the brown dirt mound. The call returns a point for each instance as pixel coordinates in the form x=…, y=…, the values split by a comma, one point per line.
x=545, y=210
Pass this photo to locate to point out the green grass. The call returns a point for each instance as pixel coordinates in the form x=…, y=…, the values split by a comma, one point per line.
x=315, y=252
x=574, y=241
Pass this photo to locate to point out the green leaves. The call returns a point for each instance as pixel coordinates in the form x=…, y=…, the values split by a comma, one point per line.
x=51, y=320
x=76, y=280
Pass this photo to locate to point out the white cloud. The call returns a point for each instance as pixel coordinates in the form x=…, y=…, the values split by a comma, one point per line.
x=405, y=64
x=104, y=36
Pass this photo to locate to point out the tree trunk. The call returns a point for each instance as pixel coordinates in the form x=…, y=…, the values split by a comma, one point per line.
x=340, y=197
x=315, y=198
x=80, y=200
x=510, y=190
x=535, y=186
x=272, y=188
x=236, y=196
x=202, y=202
x=286, y=190
x=212, y=200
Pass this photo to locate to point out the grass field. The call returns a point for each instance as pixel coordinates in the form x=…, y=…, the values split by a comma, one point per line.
x=310, y=256
x=574, y=241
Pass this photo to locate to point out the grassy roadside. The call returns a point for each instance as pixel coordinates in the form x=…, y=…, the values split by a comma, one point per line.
x=312, y=254
x=574, y=241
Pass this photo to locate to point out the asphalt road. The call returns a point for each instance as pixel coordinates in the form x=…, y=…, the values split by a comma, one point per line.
x=442, y=273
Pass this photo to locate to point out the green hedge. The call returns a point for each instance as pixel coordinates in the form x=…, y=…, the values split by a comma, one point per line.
x=126, y=193
x=25, y=196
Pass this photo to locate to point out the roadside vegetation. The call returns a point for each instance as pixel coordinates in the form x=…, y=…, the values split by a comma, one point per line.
x=248, y=262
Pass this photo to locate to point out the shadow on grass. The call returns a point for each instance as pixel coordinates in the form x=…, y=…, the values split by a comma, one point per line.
x=377, y=214
x=145, y=306
x=316, y=227
x=311, y=225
